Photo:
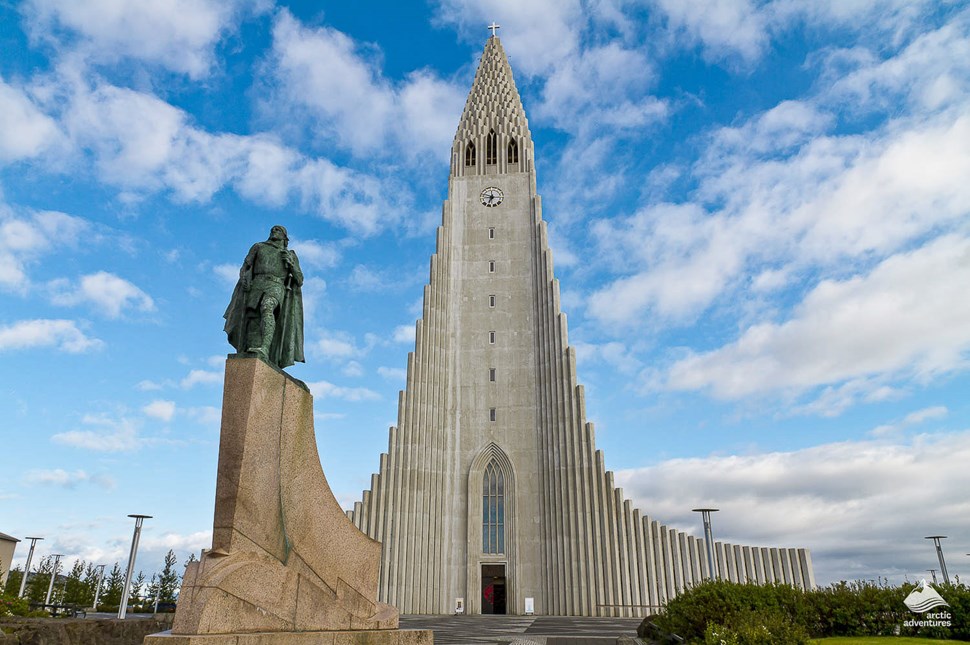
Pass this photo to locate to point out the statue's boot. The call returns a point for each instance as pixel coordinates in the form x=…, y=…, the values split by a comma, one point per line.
x=269, y=328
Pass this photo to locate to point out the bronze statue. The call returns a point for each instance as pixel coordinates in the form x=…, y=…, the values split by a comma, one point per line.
x=265, y=315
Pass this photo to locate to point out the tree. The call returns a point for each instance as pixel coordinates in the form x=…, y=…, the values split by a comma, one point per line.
x=39, y=580
x=90, y=584
x=152, y=591
x=13, y=581
x=114, y=587
x=76, y=592
x=168, y=581
x=136, y=587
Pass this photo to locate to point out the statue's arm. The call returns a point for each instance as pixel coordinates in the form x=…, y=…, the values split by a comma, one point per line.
x=246, y=270
x=295, y=269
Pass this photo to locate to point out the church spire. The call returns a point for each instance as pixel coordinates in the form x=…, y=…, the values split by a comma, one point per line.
x=493, y=134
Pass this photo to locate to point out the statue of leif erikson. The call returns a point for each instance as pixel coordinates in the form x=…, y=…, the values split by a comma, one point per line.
x=265, y=315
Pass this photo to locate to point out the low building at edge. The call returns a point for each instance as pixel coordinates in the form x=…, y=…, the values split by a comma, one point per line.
x=492, y=492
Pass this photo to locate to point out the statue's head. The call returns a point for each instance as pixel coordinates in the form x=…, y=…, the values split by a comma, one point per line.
x=279, y=233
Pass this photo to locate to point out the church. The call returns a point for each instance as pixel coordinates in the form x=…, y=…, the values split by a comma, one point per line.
x=492, y=496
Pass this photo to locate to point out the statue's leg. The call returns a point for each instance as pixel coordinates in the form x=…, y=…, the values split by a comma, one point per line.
x=267, y=309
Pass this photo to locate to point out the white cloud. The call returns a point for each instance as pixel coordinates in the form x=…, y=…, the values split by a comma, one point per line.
x=363, y=278
x=854, y=504
x=900, y=319
x=836, y=198
x=913, y=418
x=200, y=377
x=64, y=479
x=63, y=335
x=335, y=348
x=228, y=274
x=393, y=373
x=178, y=34
x=106, y=292
x=404, y=334
x=160, y=409
x=147, y=386
x=926, y=414
x=112, y=435
x=193, y=542
x=25, y=131
x=25, y=239
x=614, y=354
x=323, y=73
x=143, y=145
x=537, y=34
x=727, y=29
x=339, y=345
x=206, y=415
x=352, y=369
x=324, y=255
x=325, y=389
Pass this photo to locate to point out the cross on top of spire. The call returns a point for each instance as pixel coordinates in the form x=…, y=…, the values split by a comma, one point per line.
x=493, y=27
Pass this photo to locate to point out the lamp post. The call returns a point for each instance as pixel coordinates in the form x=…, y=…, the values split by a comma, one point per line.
x=30, y=556
x=939, y=553
x=97, y=592
x=708, y=539
x=50, y=588
x=123, y=609
x=933, y=573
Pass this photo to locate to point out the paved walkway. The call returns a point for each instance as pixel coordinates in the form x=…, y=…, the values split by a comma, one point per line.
x=523, y=630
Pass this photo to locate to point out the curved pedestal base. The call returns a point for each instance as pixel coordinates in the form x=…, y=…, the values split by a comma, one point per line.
x=286, y=566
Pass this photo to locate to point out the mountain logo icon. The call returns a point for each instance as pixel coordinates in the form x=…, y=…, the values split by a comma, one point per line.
x=923, y=598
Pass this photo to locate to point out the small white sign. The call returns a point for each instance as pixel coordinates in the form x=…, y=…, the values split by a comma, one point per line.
x=530, y=606
x=459, y=606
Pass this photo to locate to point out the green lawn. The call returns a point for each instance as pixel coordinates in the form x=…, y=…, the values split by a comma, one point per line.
x=880, y=640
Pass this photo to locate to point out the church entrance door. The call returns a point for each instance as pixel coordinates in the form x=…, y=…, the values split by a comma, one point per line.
x=493, y=589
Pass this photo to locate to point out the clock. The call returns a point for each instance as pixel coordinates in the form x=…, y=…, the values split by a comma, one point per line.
x=492, y=196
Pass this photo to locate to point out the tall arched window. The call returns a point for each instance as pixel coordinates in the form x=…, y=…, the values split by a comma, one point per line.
x=491, y=148
x=493, y=510
x=470, y=154
x=513, y=151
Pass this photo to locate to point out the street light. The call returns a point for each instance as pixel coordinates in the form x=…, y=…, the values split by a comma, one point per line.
x=30, y=556
x=708, y=538
x=50, y=588
x=939, y=553
x=933, y=573
x=123, y=609
x=97, y=592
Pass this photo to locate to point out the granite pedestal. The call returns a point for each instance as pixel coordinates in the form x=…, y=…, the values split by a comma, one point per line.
x=287, y=567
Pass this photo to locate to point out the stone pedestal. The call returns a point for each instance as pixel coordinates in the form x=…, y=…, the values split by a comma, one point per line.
x=286, y=566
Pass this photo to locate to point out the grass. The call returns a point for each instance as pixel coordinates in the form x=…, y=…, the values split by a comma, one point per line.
x=879, y=640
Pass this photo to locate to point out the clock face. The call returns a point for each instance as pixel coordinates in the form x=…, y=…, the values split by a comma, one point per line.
x=492, y=196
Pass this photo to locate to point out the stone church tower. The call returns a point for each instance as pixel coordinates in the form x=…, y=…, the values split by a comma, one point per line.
x=492, y=490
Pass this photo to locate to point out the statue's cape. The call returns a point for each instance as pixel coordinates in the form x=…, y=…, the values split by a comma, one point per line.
x=288, y=339
x=284, y=351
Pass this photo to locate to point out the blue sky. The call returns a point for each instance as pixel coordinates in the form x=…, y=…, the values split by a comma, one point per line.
x=759, y=215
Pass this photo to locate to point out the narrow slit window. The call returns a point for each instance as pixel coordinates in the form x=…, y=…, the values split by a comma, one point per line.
x=491, y=266
x=491, y=301
x=491, y=374
x=513, y=151
x=491, y=155
x=470, y=154
x=491, y=414
x=491, y=232
x=491, y=338
x=493, y=510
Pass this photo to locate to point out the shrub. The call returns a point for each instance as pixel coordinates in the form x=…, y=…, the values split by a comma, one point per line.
x=741, y=614
x=756, y=628
x=728, y=604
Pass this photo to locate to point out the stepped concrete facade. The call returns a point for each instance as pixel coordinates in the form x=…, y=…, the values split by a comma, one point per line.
x=492, y=494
